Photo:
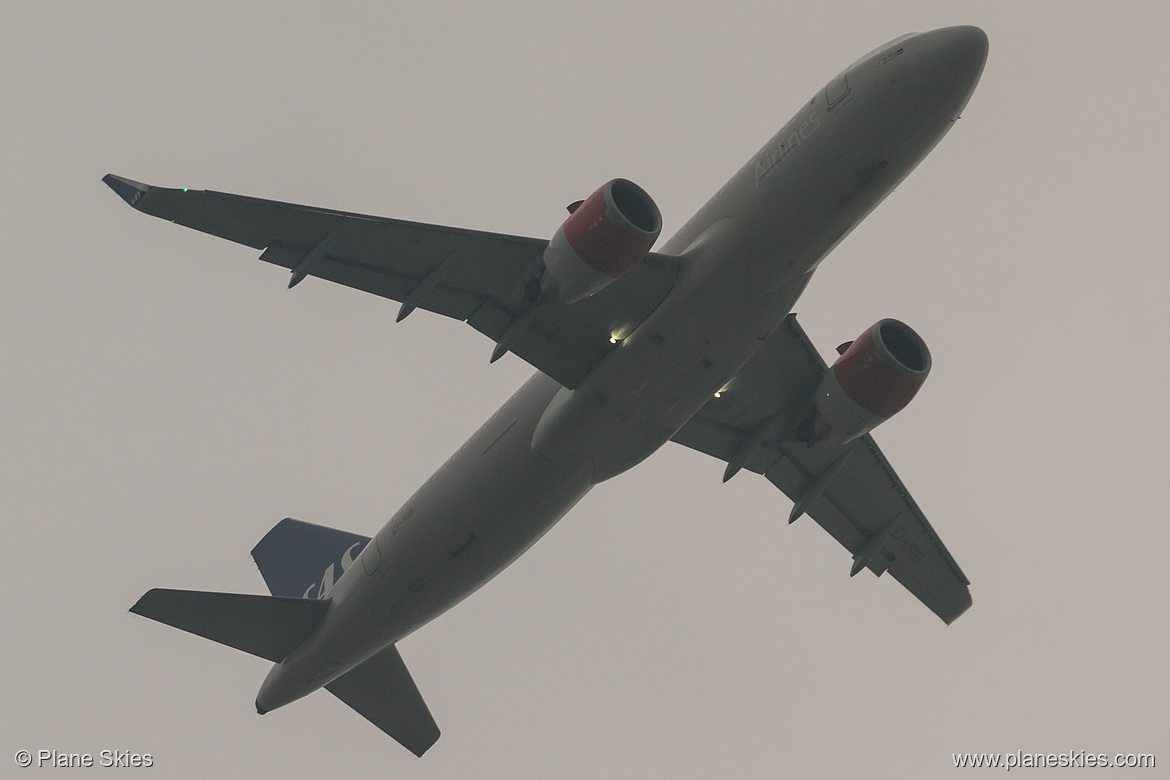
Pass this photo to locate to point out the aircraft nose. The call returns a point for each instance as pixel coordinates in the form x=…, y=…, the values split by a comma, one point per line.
x=957, y=54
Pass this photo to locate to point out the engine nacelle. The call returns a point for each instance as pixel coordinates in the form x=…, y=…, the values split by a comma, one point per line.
x=605, y=236
x=874, y=379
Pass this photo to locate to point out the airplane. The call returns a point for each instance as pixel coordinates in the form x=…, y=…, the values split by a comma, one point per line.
x=695, y=343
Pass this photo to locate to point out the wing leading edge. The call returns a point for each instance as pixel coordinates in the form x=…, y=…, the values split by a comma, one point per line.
x=851, y=491
x=481, y=278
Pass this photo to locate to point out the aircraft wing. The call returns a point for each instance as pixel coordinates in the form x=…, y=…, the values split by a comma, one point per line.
x=851, y=490
x=480, y=278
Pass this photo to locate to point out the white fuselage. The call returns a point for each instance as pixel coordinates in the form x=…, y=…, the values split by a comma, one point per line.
x=747, y=256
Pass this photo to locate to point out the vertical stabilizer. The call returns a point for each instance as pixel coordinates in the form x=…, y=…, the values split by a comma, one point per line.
x=302, y=560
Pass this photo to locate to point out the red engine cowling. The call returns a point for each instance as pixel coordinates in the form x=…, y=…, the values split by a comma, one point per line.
x=874, y=379
x=605, y=236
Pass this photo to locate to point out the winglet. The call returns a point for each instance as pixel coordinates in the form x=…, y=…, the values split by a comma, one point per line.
x=129, y=190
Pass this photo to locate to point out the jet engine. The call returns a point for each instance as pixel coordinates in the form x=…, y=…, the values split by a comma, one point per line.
x=875, y=377
x=605, y=236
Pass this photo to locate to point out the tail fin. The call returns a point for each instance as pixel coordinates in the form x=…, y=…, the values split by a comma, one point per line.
x=302, y=560
x=383, y=692
x=266, y=626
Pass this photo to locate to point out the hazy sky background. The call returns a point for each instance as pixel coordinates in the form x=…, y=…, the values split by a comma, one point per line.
x=165, y=400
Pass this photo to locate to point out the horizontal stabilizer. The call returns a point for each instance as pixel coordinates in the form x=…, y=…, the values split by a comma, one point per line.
x=383, y=692
x=265, y=626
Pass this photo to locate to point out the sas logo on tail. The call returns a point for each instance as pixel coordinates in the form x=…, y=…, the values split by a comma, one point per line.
x=328, y=578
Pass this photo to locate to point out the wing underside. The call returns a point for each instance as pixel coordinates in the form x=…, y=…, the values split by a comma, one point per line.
x=484, y=279
x=851, y=491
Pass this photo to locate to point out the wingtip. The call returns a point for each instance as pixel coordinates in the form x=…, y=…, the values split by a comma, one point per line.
x=140, y=605
x=957, y=613
x=425, y=744
x=127, y=189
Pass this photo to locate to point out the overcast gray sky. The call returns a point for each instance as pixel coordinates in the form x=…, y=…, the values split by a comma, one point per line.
x=165, y=400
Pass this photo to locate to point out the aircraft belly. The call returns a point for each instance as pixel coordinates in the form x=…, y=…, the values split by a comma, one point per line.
x=488, y=504
x=663, y=373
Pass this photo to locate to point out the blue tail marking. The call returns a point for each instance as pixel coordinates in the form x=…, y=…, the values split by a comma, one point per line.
x=302, y=560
